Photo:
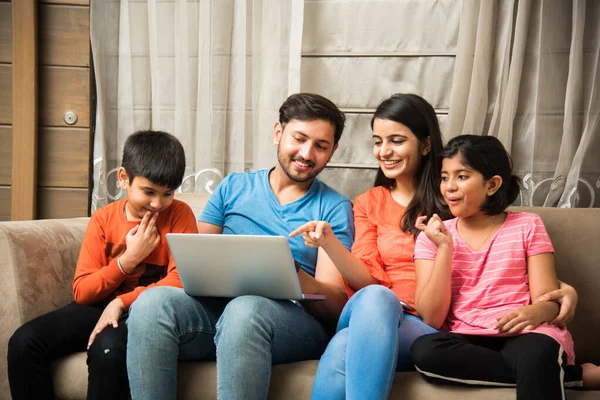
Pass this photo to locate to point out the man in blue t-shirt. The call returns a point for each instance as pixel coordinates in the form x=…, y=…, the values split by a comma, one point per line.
x=248, y=334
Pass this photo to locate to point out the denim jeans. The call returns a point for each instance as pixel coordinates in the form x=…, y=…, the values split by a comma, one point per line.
x=245, y=335
x=373, y=340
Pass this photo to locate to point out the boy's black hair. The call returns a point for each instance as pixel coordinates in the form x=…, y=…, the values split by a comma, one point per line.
x=155, y=155
x=418, y=115
x=311, y=107
x=487, y=155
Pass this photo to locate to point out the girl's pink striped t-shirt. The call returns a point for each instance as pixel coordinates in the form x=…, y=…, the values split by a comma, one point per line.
x=492, y=281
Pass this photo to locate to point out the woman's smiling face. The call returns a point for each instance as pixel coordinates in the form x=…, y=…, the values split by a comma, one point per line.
x=397, y=149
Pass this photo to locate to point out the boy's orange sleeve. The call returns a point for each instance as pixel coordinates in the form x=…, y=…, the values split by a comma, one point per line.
x=184, y=222
x=95, y=278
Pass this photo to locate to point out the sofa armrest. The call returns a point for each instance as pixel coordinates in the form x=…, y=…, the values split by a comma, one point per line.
x=37, y=263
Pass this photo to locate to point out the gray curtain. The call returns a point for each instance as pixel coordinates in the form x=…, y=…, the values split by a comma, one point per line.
x=527, y=72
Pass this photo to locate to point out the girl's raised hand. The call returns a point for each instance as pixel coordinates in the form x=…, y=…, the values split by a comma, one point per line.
x=435, y=230
x=316, y=233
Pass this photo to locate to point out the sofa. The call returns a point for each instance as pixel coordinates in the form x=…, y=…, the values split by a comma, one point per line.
x=37, y=262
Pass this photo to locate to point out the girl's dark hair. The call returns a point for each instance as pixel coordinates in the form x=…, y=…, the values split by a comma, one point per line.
x=487, y=155
x=155, y=155
x=419, y=116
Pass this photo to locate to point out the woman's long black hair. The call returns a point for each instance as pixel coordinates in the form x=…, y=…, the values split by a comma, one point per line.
x=419, y=116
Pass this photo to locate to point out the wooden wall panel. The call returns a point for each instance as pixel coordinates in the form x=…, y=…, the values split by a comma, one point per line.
x=76, y=2
x=64, y=151
x=5, y=155
x=62, y=203
x=4, y=203
x=5, y=109
x=24, y=109
x=5, y=33
x=65, y=31
x=63, y=157
x=64, y=78
x=5, y=94
x=63, y=89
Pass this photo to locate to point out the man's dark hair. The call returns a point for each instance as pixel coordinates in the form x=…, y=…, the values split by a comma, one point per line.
x=155, y=155
x=312, y=107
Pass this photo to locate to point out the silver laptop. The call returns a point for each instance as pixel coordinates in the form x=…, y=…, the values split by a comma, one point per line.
x=236, y=265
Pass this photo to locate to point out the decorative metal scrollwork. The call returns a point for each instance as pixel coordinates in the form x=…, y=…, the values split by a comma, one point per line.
x=559, y=182
x=193, y=182
x=203, y=181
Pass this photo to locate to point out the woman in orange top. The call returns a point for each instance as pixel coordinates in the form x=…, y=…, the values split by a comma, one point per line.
x=407, y=143
x=378, y=324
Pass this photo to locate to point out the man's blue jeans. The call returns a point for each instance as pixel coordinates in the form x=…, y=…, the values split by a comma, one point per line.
x=246, y=335
x=373, y=341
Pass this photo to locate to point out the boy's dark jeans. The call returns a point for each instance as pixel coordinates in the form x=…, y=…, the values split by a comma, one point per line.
x=35, y=345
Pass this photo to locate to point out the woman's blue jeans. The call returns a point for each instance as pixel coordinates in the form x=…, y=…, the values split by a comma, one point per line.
x=373, y=341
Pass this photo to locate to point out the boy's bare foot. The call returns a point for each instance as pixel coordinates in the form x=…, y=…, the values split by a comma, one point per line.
x=591, y=376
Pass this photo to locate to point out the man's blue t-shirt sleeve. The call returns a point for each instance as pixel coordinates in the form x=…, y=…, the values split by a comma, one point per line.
x=214, y=211
x=341, y=220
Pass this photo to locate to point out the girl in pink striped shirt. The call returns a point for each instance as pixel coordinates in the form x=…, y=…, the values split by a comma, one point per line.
x=476, y=276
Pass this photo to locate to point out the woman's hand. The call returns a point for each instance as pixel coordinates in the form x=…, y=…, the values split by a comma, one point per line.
x=316, y=233
x=526, y=318
x=435, y=230
x=110, y=316
x=566, y=296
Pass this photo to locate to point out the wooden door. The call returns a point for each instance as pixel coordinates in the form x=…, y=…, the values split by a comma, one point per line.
x=45, y=72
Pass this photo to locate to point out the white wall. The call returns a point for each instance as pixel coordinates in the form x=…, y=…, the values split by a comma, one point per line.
x=359, y=52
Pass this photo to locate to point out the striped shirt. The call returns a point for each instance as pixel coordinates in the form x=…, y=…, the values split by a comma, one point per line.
x=492, y=281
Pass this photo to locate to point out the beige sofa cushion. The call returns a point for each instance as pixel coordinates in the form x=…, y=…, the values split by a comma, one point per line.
x=37, y=262
x=196, y=201
x=575, y=234
x=197, y=380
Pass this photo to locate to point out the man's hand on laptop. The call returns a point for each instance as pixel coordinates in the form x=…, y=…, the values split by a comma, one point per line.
x=316, y=233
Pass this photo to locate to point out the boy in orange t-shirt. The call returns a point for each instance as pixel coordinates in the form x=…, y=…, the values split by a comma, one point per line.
x=124, y=251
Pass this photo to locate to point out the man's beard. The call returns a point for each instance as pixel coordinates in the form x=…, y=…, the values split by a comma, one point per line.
x=295, y=178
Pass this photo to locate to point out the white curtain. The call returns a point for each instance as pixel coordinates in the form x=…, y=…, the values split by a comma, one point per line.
x=359, y=52
x=527, y=72
x=212, y=72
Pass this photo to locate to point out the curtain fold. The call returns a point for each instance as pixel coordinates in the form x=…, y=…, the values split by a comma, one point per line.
x=213, y=73
x=591, y=129
x=519, y=75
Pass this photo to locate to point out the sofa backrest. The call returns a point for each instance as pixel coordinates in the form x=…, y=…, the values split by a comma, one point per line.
x=37, y=261
x=196, y=201
x=575, y=234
